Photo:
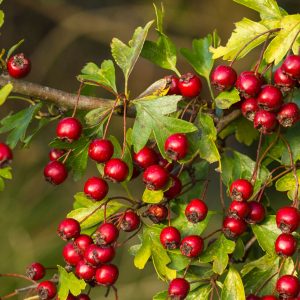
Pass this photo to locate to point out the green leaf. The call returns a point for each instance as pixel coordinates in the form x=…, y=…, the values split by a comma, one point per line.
x=178, y=261
x=225, y=99
x=239, y=250
x=158, y=89
x=161, y=296
x=14, y=48
x=245, y=132
x=144, y=253
x=202, y=293
x=244, y=32
x=233, y=286
x=4, y=92
x=6, y=173
x=2, y=185
x=1, y=18
x=280, y=45
x=96, y=116
x=69, y=283
x=287, y=183
x=152, y=196
x=218, y=253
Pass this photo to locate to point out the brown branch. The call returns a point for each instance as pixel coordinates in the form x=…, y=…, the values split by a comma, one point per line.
x=226, y=120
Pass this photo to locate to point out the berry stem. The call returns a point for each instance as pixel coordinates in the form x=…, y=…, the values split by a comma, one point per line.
x=253, y=178
x=21, y=98
x=131, y=236
x=124, y=127
x=262, y=54
x=211, y=234
x=77, y=101
x=187, y=268
x=265, y=283
x=101, y=85
x=17, y=276
x=222, y=194
x=294, y=40
x=205, y=189
x=110, y=116
x=67, y=156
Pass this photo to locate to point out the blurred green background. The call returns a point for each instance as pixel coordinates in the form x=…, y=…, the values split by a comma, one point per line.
x=61, y=36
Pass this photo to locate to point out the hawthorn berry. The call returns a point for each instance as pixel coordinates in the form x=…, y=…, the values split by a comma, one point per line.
x=269, y=297
x=233, y=227
x=106, y=234
x=35, y=271
x=283, y=81
x=55, y=172
x=192, y=246
x=101, y=150
x=157, y=213
x=6, y=155
x=249, y=107
x=291, y=66
x=173, y=85
x=46, y=290
x=145, y=158
x=265, y=121
x=69, y=129
x=170, y=238
x=175, y=188
x=288, y=286
x=68, y=229
x=178, y=289
x=285, y=244
x=155, y=177
x=248, y=84
x=71, y=255
x=270, y=98
x=82, y=242
x=18, y=65
x=189, y=85
x=257, y=212
x=241, y=190
x=196, y=210
x=55, y=154
x=252, y=297
x=83, y=297
x=176, y=146
x=96, y=188
x=238, y=209
x=96, y=255
x=130, y=221
x=84, y=271
x=107, y=275
x=116, y=170
x=288, y=219
x=223, y=77
x=288, y=114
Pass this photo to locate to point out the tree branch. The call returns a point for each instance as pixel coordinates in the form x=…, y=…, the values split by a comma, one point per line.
x=226, y=120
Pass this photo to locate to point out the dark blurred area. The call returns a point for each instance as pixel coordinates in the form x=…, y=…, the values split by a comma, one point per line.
x=61, y=36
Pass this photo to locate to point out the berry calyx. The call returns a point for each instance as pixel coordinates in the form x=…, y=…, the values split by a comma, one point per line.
x=238, y=209
x=55, y=154
x=82, y=242
x=285, y=245
x=96, y=188
x=46, y=290
x=157, y=213
x=170, y=238
x=283, y=81
x=265, y=121
x=233, y=227
x=68, y=229
x=248, y=84
x=18, y=65
x=291, y=66
x=192, y=246
x=178, y=289
x=101, y=150
x=155, y=177
x=85, y=271
x=249, y=108
x=130, y=221
x=190, y=85
x=288, y=114
x=107, y=275
x=175, y=188
x=196, y=210
x=173, y=85
x=55, y=172
x=270, y=98
x=288, y=286
x=241, y=190
x=96, y=255
x=106, y=234
x=71, y=255
x=288, y=219
x=223, y=77
x=69, y=129
x=256, y=213
x=176, y=146
x=35, y=271
x=116, y=170
x=6, y=155
x=145, y=158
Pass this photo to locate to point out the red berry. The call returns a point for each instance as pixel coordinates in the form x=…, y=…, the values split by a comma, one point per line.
x=233, y=227
x=291, y=66
x=269, y=297
x=178, y=289
x=190, y=85
x=55, y=172
x=170, y=238
x=288, y=114
x=196, y=210
x=55, y=154
x=257, y=212
x=249, y=108
x=101, y=150
x=130, y=221
x=96, y=255
x=248, y=84
x=223, y=77
x=175, y=188
x=6, y=155
x=71, y=255
x=116, y=170
x=241, y=189
x=46, y=290
x=192, y=246
x=265, y=121
x=283, y=81
x=35, y=271
x=18, y=66
x=85, y=271
x=82, y=242
x=252, y=297
x=107, y=275
x=176, y=146
x=288, y=219
x=155, y=177
x=68, y=229
x=285, y=245
x=83, y=297
x=288, y=286
x=173, y=85
x=145, y=158
x=239, y=209
x=270, y=98
x=96, y=188
x=69, y=129
x=157, y=213
x=107, y=233
x=164, y=163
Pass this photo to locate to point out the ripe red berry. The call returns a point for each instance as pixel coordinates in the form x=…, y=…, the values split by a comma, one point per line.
x=175, y=188
x=288, y=219
x=107, y=275
x=68, y=229
x=155, y=177
x=283, y=81
x=269, y=297
x=176, y=146
x=71, y=255
x=190, y=85
x=96, y=188
x=55, y=154
x=178, y=289
x=96, y=255
x=35, y=271
x=101, y=150
x=170, y=238
x=116, y=170
x=288, y=114
x=257, y=212
x=285, y=245
x=265, y=121
x=241, y=190
x=157, y=213
x=233, y=227
x=223, y=77
x=107, y=233
x=46, y=290
x=55, y=172
x=248, y=84
x=145, y=158
x=270, y=98
x=249, y=108
x=291, y=66
x=18, y=66
x=83, y=297
x=192, y=246
x=6, y=155
x=85, y=271
x=238, y=209
x=288, y=286
x=82, y=242
x=130, y=221
x=69, y=129
x=252, y=297
x=196, y=210
x=173, y=85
